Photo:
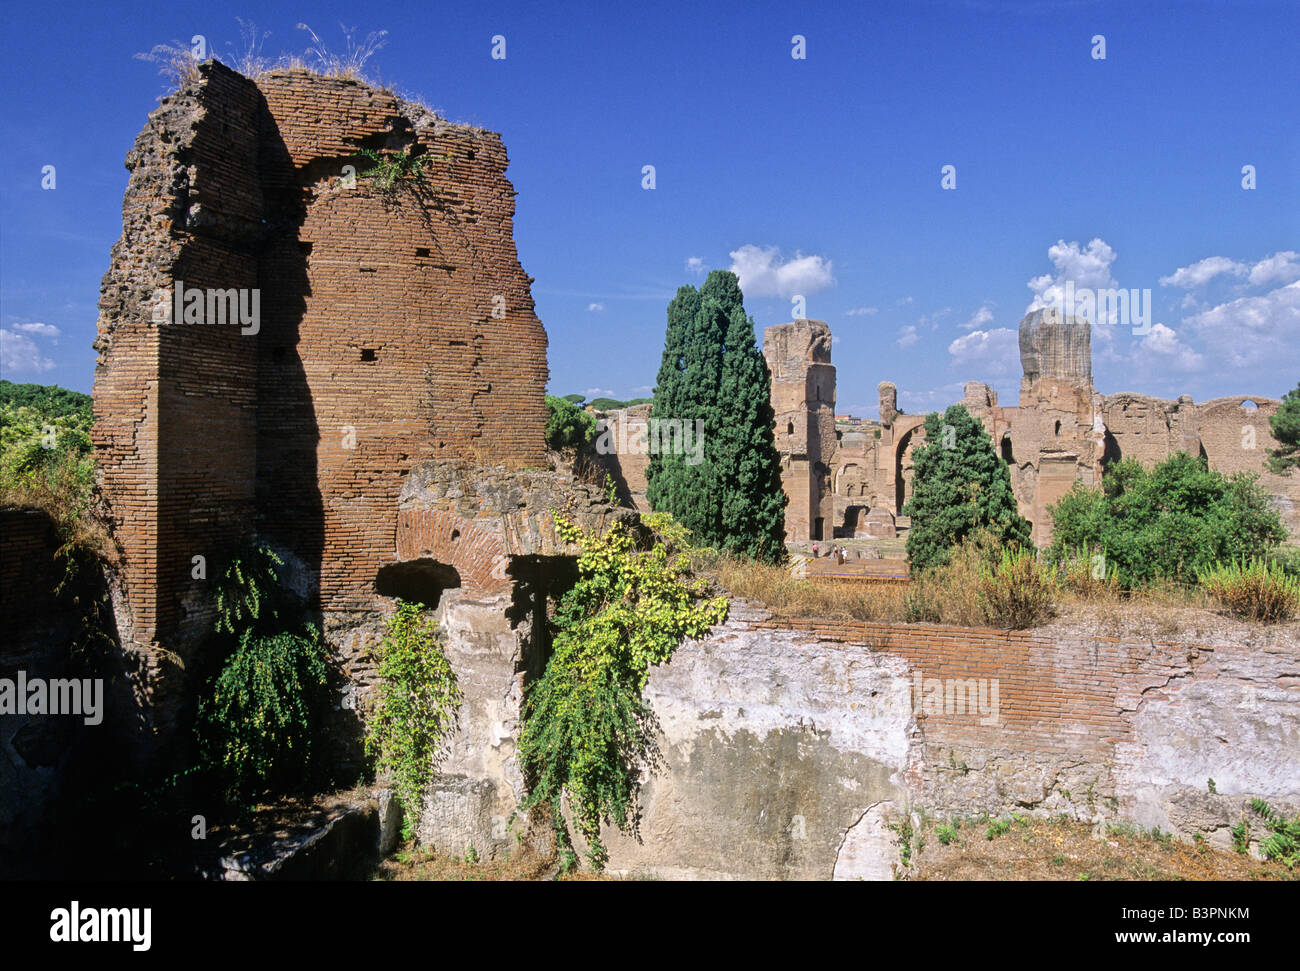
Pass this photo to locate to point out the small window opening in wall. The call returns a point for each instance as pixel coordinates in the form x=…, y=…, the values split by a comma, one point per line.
x=367, y=354
x=1058, y=429
x=789, y=428
x=455, y=535
x=422, y=251
x=304, y=248
x=1249, y=406
x=367, y=269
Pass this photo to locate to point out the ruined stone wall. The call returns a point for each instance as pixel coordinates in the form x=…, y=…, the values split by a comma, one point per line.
x=394, y=326
x=789, y=747
x=1061, y=432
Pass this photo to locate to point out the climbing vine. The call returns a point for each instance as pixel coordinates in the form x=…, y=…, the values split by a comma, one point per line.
x=416, y=708
x=588, y=732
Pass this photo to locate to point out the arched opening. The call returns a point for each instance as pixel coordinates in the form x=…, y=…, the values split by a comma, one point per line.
x=789, y=428
x=1249, y=406
x=416, y=581
x=1007, y=455
x=1058, y=428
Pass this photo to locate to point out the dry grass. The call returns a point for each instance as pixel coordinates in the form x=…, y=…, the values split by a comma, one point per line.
x=412, y=863
x=958, y=594
x=1066, y=849
x=785, y=596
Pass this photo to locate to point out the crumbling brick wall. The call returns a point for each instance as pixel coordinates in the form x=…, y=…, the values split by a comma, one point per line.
x=395, y=326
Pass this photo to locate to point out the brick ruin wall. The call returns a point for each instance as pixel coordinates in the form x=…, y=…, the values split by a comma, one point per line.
x=395, y=327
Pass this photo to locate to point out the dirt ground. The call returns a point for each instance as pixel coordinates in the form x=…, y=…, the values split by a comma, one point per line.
x=1064, y=849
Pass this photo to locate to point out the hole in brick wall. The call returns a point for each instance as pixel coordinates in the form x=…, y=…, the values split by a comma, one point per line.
x=304, y=248
x=1058, y=429
x=789, y=428
x=367, y=354
x=1249, y=406
x=417, y=581
x=455, y=535
x=421, y=251
x=367, y=269
x=459, y=343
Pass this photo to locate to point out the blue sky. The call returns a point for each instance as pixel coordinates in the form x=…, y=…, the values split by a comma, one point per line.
x=818, y=177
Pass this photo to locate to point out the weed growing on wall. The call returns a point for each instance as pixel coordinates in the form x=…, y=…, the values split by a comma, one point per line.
x=416, y=708
x=386, y=170
x=588, y=732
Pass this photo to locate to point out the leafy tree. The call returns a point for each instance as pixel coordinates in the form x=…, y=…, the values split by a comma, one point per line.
x=607, y=404
x=574, y=399
x=1171, y=523
x=567, y=425
x=713, y=372
x=959, y=485
x=1285, y=426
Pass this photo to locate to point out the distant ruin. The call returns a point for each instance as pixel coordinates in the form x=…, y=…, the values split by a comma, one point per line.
x=853, y=480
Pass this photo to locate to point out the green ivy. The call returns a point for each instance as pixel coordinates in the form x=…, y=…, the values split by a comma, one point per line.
x=587, y=729
x=416, y=707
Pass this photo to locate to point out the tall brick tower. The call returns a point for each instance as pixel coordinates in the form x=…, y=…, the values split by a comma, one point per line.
x=803, y=397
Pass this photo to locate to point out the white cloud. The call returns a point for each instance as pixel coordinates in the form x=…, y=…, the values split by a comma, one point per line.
x=1164, y=341
x=595, y=307
x=694, y=264
x=1202, y=272
x=981, y=317
x=903, y=301
x=989, y=351
x=42, y=330
x=1252, y=331
x=1280, y=268
x=1087, y=267
x=862, y=311
x=599, y=393
x=907, y=337
x=20, y=354
x=762, y=272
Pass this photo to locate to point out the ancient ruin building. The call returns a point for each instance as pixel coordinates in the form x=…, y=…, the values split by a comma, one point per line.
x=1062, y=431
x=384, y=326
x=803, y=398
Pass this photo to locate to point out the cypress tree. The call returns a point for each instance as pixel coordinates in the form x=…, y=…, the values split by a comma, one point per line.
x=959, y=485
x=713, y=372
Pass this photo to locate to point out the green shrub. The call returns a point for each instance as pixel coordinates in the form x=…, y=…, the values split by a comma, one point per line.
x=587, y=732
x=1252, y=590
x=415, y=712
x=947, y=833
x=1165, y=524
x=258, y=723
x=567, y=425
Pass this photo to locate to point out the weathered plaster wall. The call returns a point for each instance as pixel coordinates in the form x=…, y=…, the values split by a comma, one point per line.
x=788, y=748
